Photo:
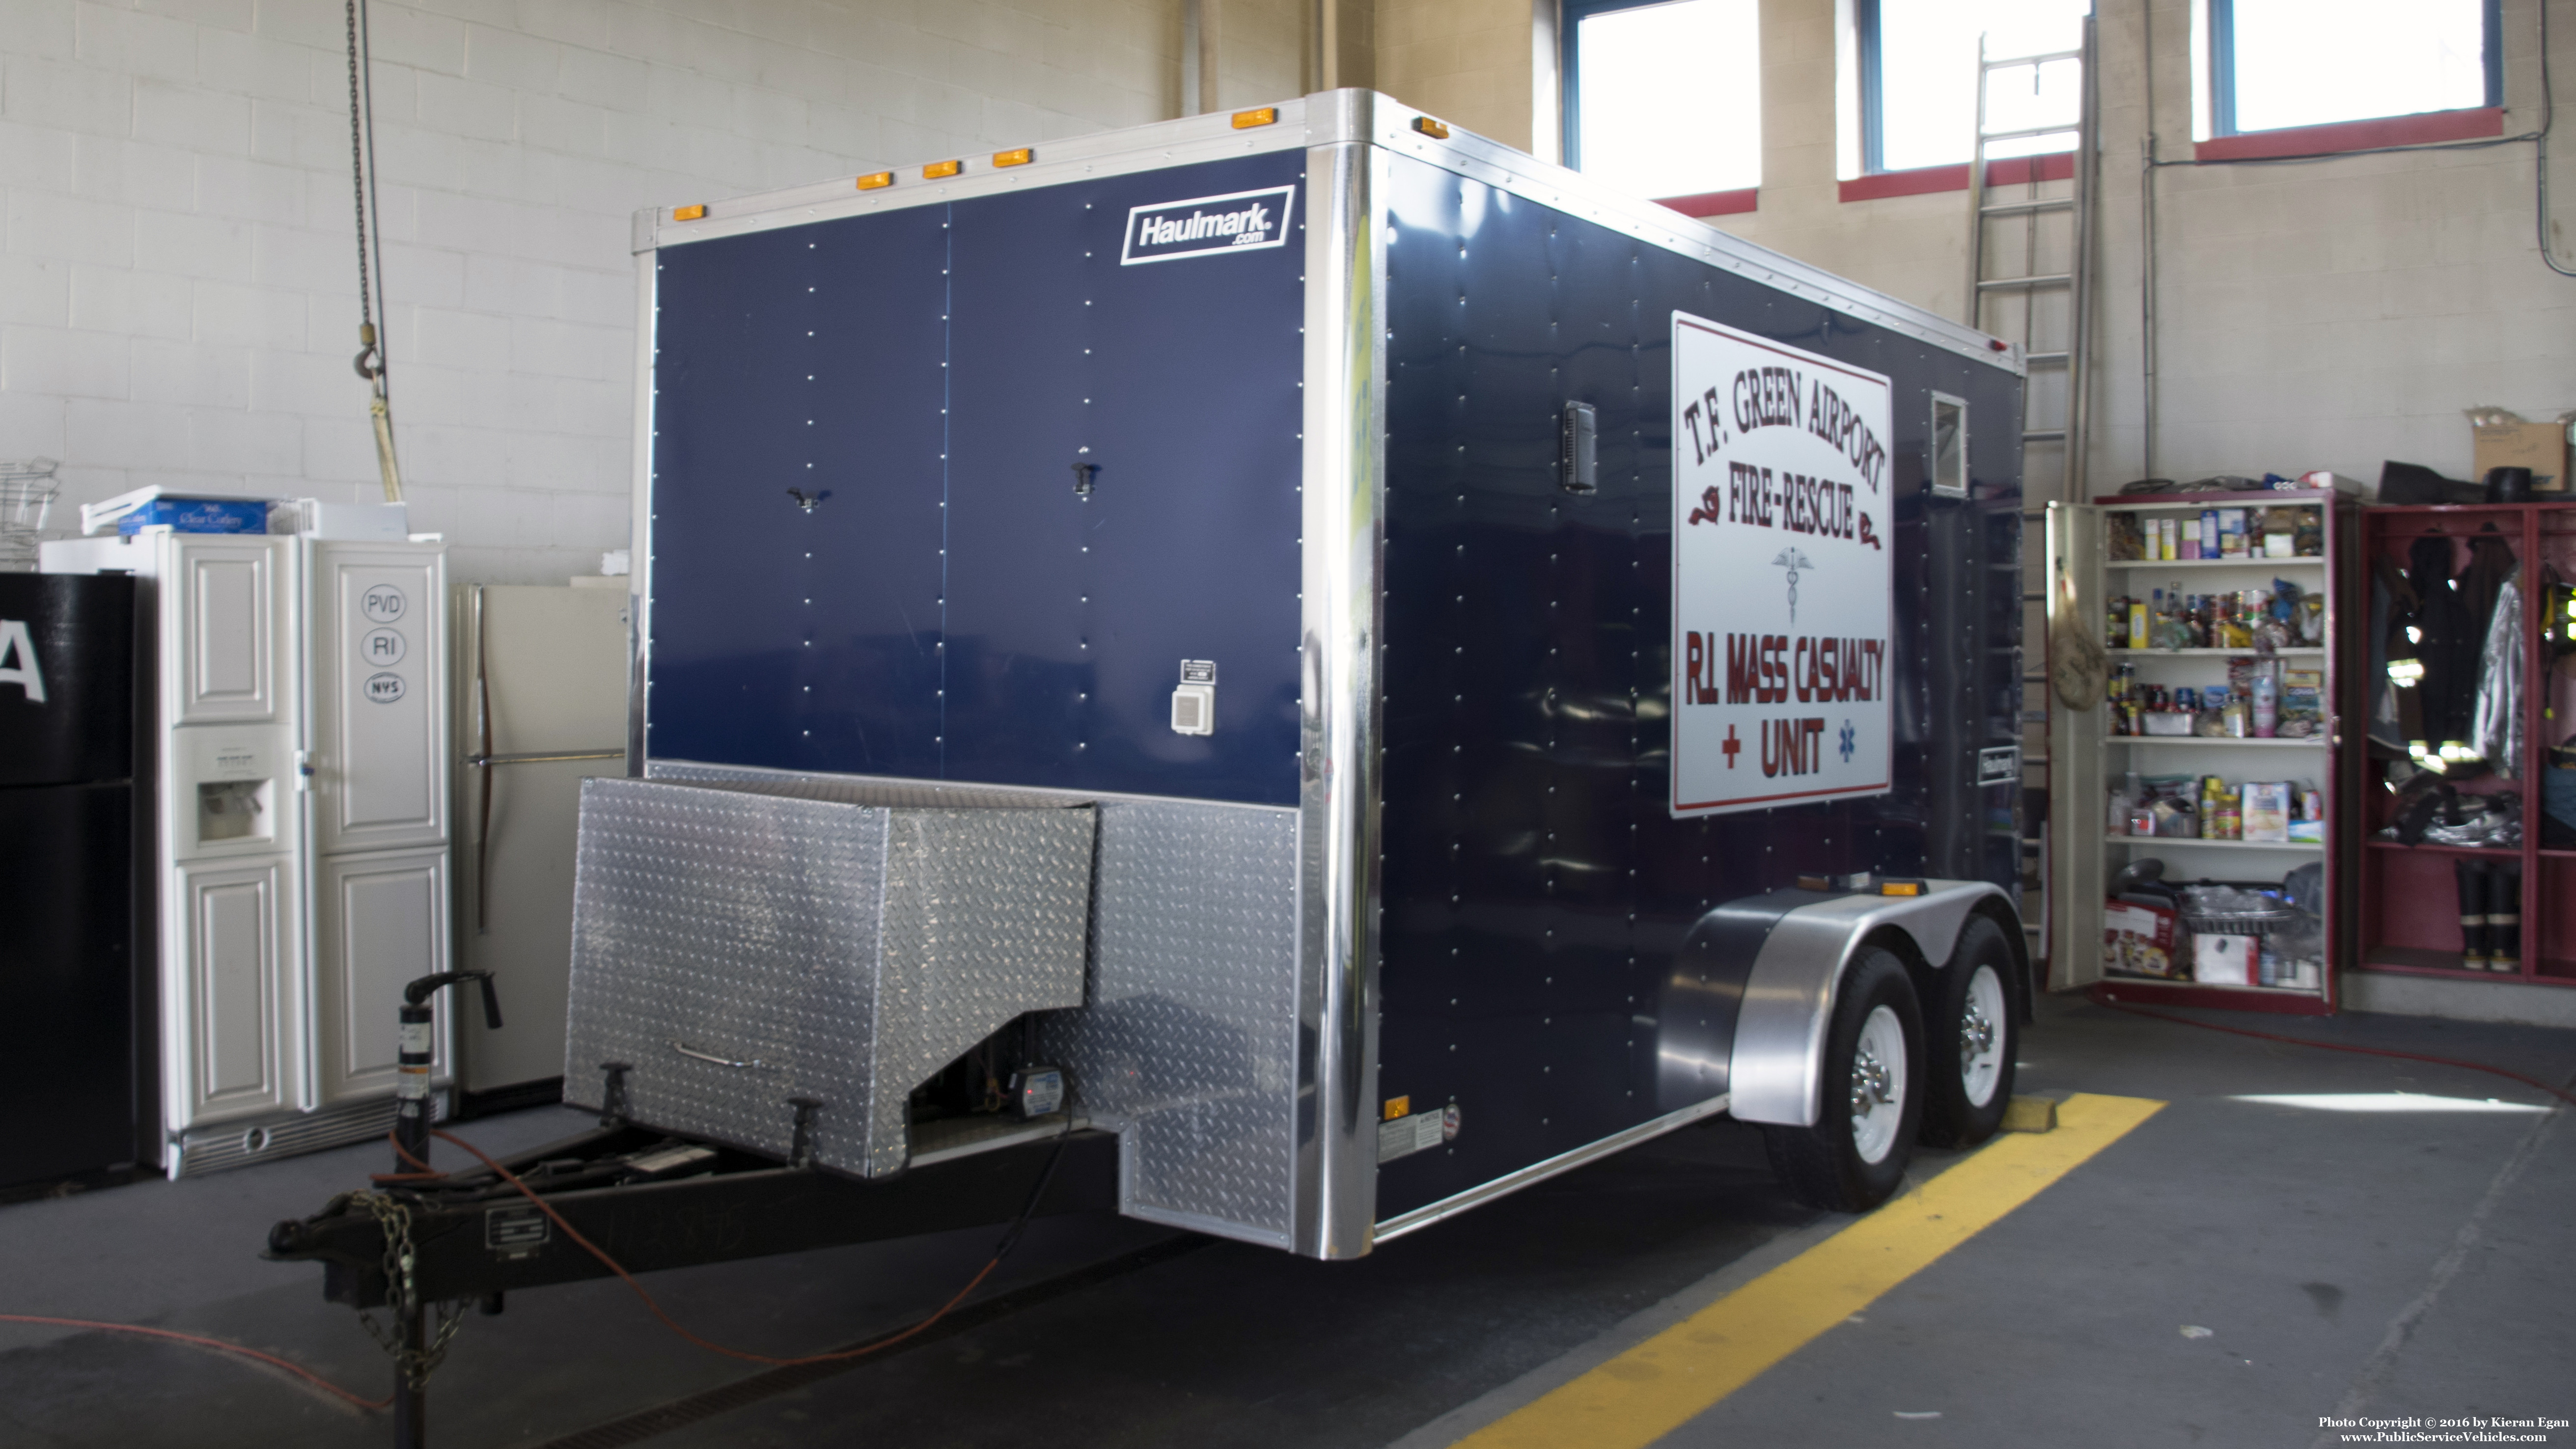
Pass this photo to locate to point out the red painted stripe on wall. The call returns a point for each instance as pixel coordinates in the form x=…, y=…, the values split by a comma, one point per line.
x=2417, y=130
x=2010, y=171
x=1714, y=203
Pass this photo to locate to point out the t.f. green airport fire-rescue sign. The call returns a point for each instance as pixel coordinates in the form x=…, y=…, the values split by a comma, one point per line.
x=1783, y=574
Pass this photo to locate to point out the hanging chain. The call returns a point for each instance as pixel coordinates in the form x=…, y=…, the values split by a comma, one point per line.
x=370, y=362
x=393, y=1221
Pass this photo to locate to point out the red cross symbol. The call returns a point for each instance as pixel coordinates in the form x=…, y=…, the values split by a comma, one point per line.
x=1733, y=747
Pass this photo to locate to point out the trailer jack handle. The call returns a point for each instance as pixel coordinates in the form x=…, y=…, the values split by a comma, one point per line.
x=418, y=1053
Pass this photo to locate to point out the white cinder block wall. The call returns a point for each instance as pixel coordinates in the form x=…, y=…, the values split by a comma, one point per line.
x=178, y=285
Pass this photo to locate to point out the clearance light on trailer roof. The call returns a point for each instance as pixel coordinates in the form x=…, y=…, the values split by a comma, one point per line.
x=876, y=180
x=687, y=213
x=937, y=169
x=1019, y=157
x=1266, y=115
x=1431, y=128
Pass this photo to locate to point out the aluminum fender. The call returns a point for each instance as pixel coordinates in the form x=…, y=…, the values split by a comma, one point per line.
x=1779, y=1053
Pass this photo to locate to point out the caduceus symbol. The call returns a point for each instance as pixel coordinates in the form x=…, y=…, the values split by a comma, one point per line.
x=1792, y=560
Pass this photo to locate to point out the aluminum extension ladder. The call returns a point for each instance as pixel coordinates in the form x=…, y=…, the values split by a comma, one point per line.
x=2054, y=257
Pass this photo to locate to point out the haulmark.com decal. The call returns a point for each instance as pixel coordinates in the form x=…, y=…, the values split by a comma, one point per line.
x=1783, y=574
x=1240, y=221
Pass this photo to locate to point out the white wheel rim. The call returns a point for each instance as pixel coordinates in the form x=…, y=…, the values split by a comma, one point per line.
x=1877, y=1085
x=1982, y=1037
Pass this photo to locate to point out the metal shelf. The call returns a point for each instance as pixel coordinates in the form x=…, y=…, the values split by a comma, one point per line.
x=2204, y=742
x=2303, y=560
x=2199, y=844
x=2114, y=979
x=2301, y=652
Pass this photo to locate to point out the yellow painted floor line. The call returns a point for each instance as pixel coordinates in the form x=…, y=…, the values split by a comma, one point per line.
x=1661, y=1384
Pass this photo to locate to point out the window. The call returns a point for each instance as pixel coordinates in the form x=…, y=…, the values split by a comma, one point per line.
x=1665, y=100
x=2274, y=64
x=1918, y=79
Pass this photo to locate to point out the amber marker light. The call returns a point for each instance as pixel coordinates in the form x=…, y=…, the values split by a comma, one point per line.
x=687, y=213
x=876, y=181
x=937, y=169
x=1900, y=887
x=1436, y=130
x=1018, y=157
x=1265, y=116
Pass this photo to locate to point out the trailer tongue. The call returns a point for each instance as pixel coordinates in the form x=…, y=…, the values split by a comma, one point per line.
x=1379, y=670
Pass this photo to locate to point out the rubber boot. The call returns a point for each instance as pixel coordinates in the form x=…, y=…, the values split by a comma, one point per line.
x=2472, y=876
x=2504, y=917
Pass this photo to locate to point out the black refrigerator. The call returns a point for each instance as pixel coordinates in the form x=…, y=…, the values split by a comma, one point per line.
x=75, y=957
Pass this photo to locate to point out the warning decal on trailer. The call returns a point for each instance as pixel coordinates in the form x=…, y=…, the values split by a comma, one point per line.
x=1783, y=574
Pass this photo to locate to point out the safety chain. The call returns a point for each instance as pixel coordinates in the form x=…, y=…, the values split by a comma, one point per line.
x=393, y=1220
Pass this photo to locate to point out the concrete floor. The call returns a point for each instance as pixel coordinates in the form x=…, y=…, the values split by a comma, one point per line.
x=2389, y=1263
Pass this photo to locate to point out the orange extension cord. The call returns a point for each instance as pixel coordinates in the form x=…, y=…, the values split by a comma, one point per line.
x=200, y=1341
x=2535, y=1083
x=426, y=1173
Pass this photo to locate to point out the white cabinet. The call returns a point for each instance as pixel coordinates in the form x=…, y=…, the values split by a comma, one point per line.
x=379, y=921
x=227, y=656
x=230, y=1017
x=379, y=734
x=302, y=707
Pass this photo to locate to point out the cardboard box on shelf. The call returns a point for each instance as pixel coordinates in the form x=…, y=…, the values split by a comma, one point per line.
x=2267, y=810
x=2502, y=440
x=2225, y=960
x=2139, y=940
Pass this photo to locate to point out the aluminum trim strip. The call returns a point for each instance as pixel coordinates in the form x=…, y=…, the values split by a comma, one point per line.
x=1338, y=787
x=1778, y=1059
x=639, y=540
x=1151, y=147
x=702, y=771
x=1512, y=1182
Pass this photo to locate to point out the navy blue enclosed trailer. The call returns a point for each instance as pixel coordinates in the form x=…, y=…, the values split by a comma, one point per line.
x=1363, y=664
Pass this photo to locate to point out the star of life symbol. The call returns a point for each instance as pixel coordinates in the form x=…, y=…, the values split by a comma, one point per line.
x=1792, y=560
x=1851, y=738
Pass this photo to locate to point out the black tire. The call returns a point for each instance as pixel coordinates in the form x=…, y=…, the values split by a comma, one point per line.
x=1953, y=1114
x=1823, y=1164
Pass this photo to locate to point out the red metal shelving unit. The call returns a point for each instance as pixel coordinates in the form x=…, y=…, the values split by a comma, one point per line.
x=2409, y=917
